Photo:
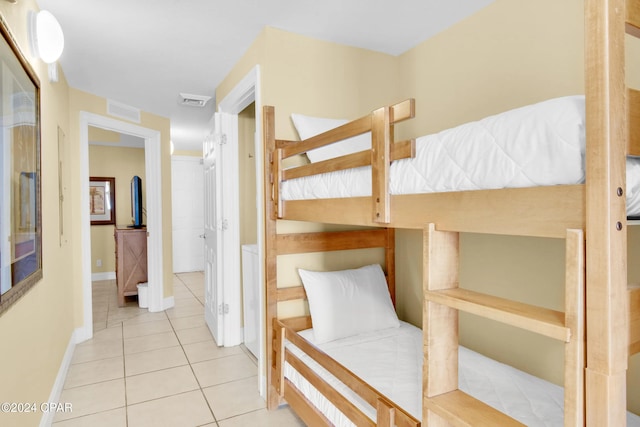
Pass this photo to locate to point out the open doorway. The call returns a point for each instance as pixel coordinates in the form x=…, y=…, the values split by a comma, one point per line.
x=114, y=160
x=244, y=101
x=153, y=190
x=249, y=228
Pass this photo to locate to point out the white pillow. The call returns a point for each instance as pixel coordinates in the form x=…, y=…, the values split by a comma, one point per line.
x=348, y=302
x=312, y=126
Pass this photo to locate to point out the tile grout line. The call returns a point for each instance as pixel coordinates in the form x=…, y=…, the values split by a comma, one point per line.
x=215, y=420
x=124, y=373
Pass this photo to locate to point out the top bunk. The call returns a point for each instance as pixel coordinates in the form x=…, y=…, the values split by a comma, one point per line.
x=607, y=124
x=521, y=172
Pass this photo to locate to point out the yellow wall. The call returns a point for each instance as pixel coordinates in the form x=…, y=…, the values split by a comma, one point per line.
x=247, y=175
x=308, y=76
x=36, y=330
x=121, y=163
x=313, y=77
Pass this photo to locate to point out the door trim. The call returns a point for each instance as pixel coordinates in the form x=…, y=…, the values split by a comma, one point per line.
x=153, y=186
x=248, y=90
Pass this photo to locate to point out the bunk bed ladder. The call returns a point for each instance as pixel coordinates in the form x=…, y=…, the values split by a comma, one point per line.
x=444, y=404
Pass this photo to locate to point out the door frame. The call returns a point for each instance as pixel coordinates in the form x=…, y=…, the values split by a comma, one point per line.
x=153, y=176
x=244, y=93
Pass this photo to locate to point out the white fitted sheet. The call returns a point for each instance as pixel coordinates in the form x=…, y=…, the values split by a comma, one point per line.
x=536, y=145
x=390, y=360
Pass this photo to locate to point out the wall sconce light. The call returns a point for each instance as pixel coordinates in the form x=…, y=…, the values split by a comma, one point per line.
x=45, y=36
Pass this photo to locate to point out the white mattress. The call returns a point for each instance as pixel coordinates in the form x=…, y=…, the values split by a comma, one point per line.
x=393, y=365
x=536, y=145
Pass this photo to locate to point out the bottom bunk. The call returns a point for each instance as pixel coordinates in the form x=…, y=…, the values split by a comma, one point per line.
x=390, y=361
x=375, y=362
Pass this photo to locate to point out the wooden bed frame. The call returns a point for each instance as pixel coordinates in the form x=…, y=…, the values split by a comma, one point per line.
x=388, y=413
x=591, y=217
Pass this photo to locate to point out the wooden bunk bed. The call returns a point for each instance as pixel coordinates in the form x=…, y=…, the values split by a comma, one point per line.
x=591, y=217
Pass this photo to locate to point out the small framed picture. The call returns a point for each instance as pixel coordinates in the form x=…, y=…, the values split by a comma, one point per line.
x=102, y=200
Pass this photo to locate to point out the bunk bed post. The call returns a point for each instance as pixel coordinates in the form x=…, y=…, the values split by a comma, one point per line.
x=440, y=323
x=390, y=263
x=268, y=120
x=381, y=138
x=606, y=243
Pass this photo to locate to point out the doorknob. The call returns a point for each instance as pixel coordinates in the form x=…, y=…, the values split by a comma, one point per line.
x=203, y=236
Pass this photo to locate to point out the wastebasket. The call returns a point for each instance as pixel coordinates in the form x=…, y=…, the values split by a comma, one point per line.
x=143, y=295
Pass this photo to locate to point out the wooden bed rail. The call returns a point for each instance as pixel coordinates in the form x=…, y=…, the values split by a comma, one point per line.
x=388, y=414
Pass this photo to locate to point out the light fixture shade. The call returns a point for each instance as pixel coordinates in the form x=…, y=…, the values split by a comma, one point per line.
x=46, y=37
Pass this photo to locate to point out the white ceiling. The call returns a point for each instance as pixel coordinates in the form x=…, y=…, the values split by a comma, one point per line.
x=143, y=53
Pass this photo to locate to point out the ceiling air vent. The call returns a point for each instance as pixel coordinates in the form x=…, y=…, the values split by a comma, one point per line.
x=123, y=111
x=193, y=100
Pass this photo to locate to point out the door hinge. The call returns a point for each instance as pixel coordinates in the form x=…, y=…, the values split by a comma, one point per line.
x=223, y=309
x=223, y=224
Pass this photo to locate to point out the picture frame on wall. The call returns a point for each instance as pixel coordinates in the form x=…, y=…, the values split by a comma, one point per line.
x=102, y=200
x=20, y=183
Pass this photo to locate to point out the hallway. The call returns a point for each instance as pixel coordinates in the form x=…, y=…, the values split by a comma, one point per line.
x=162, y=369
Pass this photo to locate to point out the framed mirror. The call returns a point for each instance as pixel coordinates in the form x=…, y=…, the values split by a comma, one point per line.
x=20, y=200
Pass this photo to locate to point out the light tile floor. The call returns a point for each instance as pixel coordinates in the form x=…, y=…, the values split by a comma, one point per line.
x=162, y=369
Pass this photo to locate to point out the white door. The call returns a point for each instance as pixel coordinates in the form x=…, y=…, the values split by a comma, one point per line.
x=223, y=305
x=187, y=188
x=214, y=311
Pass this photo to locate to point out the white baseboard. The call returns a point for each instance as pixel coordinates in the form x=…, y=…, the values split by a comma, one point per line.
x=105, y=275
x=168, y=302
x=56, y=390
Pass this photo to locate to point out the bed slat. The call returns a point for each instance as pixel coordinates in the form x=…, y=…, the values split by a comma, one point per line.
x=399, y=150
x=291, y=293
x=348, y=130
x=460, y=409
x=304, y=409
x=299, y=243
x=343, y=405
x=536, y=319
x=297, y=323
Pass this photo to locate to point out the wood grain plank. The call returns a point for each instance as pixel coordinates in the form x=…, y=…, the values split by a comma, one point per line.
x=381, y=138
x=298, y=243
x=543, y=321
x=439, y=322
x=606, y=243
x=534, y=211
x=574, y=354
x=460, y=409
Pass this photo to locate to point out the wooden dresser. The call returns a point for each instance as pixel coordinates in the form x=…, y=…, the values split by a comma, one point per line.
x=131, y=260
